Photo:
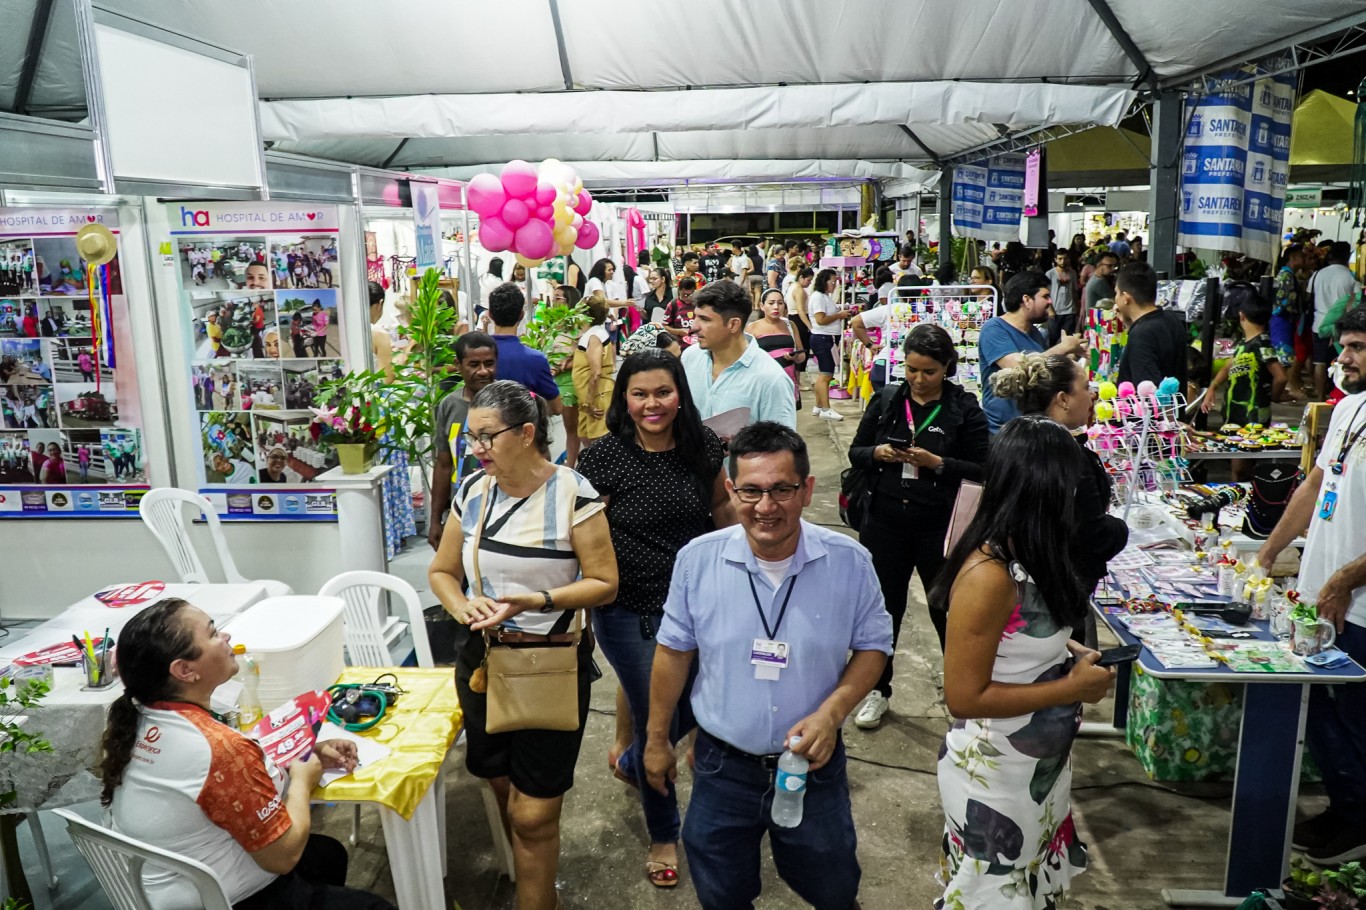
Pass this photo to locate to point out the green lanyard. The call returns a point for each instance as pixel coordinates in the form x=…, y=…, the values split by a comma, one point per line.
x=910, y=422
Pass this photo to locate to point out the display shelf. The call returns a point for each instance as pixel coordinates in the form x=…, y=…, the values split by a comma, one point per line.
x=1273, y=455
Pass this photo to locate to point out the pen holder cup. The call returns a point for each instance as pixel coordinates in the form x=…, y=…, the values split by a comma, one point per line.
x=1310, y=637
x=100, y=673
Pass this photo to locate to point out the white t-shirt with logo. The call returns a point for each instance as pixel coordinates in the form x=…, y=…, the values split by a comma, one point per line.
x=1335, y=542
x=201, y=789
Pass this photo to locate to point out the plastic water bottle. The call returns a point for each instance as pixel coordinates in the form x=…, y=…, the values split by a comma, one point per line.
x=789, y=787
x=249, y=704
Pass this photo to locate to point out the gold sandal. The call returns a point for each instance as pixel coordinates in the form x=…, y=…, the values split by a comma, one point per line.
x=662, y=875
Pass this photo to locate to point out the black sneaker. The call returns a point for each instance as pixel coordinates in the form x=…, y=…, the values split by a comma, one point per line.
x=1313, y=833
x=1348, y=844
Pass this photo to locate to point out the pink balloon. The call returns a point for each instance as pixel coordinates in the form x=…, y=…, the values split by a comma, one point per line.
x=534, y=240
x=585, y=202
x=545, y=212
x=494, y=235
x=485, y=195
x=515, y=213
x=519, y=180
x=545, y=193
x=588, y=236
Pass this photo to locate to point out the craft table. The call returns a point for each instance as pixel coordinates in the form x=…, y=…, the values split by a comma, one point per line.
x=1267, y=778
x=407, y=785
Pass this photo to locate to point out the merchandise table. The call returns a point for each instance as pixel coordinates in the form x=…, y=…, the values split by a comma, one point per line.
x=1266, y=782
x=407, y=785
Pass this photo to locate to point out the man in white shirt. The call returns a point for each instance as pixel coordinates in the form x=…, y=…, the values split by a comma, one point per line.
x=739, y=263
x=1329, y=286
x=905, y=263
x=1331, y=505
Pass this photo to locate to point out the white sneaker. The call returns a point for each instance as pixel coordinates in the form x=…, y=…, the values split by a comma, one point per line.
x=829, y=414
x=815, y=411
x=870, y=713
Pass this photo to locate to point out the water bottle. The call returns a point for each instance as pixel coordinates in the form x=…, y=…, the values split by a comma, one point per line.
x=249, y=704
x=789, y=787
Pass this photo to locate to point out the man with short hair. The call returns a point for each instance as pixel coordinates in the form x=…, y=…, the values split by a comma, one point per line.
x=712, y=264
x=1333, y=287
x=516, y=361
x=678, y=314
x=1120, y=247
x=1005, y=338
x=815, y=599
x=1157, y=341
x=905, y=263
x=1064, y=293
x=692, y=269
x=1102, y=283
x=726, y=368
x=477, y=355
x=739, y=263
x=1330, y=509
x=258, y=277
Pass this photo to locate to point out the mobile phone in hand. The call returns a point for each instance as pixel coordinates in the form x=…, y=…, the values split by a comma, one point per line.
x=897, y=442
x=1124, y=654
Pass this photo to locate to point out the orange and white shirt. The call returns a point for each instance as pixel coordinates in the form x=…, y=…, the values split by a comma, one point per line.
x=200, y=788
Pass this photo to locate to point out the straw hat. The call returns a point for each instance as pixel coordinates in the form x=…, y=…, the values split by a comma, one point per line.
x=96, y=244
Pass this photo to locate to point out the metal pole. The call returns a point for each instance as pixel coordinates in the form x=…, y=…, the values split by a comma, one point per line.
x=1213, y=305
x=946, y=222
x=472, y=294
x=1164, y=177
x=689, y=229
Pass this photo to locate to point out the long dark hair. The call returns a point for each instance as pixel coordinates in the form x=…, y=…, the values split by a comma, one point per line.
x=666, y=285
x=1025, y=514
x=599, y=269
x=690, y=438
x=582, y=281
x=150, y=642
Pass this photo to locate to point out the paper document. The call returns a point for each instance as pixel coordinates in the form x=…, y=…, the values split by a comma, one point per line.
x=728, y=423
x=367, y=750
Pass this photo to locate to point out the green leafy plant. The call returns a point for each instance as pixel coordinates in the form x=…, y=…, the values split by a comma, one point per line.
x=1305, y=878
x=554, y=328
x=17, y=700
x=1342, y=888
x=351, y=410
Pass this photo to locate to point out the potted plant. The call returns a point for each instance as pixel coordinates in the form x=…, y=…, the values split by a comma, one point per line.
x=554, y=328
x=17, y=699
x=1343, y=888
x=1302, y=885
x=349, y=418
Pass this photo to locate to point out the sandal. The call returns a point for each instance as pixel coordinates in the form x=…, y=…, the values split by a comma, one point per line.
x=661, y=875
x=622, y=771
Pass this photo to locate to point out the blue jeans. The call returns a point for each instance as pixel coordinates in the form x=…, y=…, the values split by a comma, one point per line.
x=1335, y=732
x=731, y=809
x=631, y=654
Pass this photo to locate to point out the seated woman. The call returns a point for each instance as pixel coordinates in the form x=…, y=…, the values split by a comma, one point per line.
x=178, y=778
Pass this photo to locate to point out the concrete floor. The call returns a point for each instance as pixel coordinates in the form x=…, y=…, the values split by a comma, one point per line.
x=1143, y=836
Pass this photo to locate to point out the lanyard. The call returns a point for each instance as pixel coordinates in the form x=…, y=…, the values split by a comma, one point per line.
x=910, y=422
x=782, y=611
x=1338, y=464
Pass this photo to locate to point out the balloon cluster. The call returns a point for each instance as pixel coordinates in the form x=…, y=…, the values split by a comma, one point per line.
x=534, y=212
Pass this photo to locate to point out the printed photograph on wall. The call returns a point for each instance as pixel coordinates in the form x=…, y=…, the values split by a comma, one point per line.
x=215, y=387
x=229, y=456
x=17, y=275
x=309, y=318
x=16, y=462
x=22, y=362
x=27, y=407
x=303, y=378
x=286, y=450
x=122, y=451
x=224, y=264
x=81, y=405
x=77, y=361
x=59, y=266
x=48, y=456
x=304, y=262
x=234, y=326
x=263, y=386
x=61, y=318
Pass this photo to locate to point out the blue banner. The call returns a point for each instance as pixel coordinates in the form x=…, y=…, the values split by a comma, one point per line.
x=988, y=198
x=1234, y=165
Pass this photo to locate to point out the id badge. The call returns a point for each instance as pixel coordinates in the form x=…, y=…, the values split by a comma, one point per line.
x=1329, y=505
x=910, y=472
x=769, y=658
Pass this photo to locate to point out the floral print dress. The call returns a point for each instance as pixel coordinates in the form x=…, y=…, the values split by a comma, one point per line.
x=1009, y=842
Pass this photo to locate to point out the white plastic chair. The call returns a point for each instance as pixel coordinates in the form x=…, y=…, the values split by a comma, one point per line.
x=117, y=862
x=365, y=646
x=161, y=511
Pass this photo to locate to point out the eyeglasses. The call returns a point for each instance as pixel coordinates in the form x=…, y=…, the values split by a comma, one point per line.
x=485, y=440
x=783, y=492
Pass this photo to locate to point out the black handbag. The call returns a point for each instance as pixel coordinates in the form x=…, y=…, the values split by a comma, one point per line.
x=856, y=489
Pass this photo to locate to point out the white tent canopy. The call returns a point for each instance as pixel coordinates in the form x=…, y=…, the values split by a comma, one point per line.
x=657, y=91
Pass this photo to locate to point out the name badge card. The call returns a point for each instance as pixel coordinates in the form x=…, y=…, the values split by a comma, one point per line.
x=769, y=658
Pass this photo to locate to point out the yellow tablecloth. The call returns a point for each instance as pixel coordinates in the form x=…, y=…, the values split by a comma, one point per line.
x=418, y=732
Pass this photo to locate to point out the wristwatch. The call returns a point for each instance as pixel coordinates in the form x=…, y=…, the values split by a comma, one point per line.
x=549, y=602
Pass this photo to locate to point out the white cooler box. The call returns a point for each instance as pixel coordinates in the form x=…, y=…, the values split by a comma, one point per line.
x=296, y=642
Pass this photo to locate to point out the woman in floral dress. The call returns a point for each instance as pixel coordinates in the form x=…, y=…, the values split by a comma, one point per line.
x=1014, y=681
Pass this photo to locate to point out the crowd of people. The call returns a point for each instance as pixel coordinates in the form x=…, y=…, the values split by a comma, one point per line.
x=666, y=515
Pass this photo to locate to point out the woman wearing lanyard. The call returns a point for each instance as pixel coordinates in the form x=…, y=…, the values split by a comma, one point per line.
x=919, y=438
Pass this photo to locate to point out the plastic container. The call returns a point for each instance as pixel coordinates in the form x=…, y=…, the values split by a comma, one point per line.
x=296, y=643
x=789, y=787
x=249, y=703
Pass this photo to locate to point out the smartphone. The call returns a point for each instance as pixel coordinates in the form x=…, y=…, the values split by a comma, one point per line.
x=898, y=443
x=1121, y=655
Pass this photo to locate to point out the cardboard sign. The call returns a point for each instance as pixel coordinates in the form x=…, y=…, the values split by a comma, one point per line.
x=62, y=653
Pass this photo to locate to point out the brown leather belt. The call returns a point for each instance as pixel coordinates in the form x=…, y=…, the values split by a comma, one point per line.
x=530, y=638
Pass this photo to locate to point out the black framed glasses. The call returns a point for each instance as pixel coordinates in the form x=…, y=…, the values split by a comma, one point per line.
x=783, y=492
x=485, y=440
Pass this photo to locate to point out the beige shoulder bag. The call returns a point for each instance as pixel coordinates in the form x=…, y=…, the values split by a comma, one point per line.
x=530, y=687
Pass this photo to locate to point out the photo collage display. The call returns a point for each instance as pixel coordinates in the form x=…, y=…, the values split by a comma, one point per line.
x=265, y=329
x=59, y=411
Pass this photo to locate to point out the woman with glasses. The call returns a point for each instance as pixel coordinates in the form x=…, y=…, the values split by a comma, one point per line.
x=983, y=279
x=777, y=335
x=918, y=440
x=656, y=301
x=1012, y=679
x=659, y=471
x=544, y=553
x=593, y=359
x=179, y=778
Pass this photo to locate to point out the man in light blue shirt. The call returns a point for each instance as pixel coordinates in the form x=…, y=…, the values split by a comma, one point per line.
x=727, y=369
x=770, y=609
